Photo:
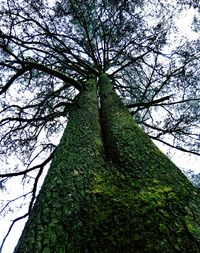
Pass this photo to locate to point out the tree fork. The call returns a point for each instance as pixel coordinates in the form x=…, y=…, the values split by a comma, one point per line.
x=135, y=201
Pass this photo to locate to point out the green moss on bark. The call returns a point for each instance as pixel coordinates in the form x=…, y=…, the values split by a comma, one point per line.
x=58, y=220
x=137, y=201
x=159, y=198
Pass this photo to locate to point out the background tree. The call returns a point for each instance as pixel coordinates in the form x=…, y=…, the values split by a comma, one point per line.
x=48, y=53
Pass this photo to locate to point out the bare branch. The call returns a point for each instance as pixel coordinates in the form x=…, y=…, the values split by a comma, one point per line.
x=150, y=103
x=12, y=200
x=41, y=67
x=175, y=147
x=12, y=79
x=13, y=223
x=30, y=169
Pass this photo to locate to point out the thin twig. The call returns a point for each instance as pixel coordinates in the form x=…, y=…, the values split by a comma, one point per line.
x=13, y=222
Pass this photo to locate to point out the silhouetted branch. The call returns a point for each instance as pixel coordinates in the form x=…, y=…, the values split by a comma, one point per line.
x=70, y=81
x=150, y=103
x=176, y=147
x=30, y=169
x=12, y=200
x=13, y=223
x=12, y=79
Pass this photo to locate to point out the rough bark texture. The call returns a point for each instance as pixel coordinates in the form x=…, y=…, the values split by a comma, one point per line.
x=58, y=221
x=156, y=207
x=119, y=195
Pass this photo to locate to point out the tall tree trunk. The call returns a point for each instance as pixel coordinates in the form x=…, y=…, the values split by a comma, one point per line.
x=155, y=207
x=58, y=221
x=122, y=195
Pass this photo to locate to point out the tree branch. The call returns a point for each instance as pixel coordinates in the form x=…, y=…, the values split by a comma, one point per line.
x=12, y=79
x=13, y=222
x=150, y=103
x=176, y=147
x=55, y=73
x=20, y=173
x=134, y=59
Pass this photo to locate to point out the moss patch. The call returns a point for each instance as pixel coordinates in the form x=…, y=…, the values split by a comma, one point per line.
x=125, y=218
x=159, y=192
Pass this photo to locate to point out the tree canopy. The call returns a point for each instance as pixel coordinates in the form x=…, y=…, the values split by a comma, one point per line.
x=49, y=49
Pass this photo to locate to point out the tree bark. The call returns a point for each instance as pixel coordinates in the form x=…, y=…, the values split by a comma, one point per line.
x=160, y=210
x=109, y=189
x=58, y=220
